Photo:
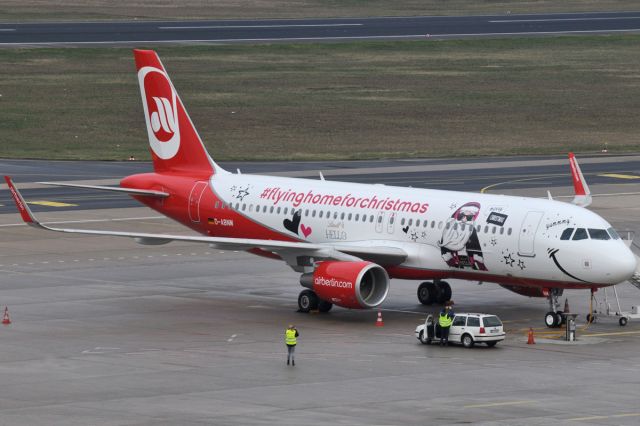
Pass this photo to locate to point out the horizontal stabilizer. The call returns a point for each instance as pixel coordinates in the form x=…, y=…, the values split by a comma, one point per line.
x=132, y=191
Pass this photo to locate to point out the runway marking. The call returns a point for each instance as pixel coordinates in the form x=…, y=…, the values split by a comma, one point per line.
x=619, y=176
x=7, y=29
x=577, y=419
x=613, y=333
x=272, y=39
x=233, y=336
x=222, y=27
x=498, y=404
x=613, y=18
x=51, y=203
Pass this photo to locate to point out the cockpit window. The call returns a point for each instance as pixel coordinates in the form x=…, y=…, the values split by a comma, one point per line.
x=581, y=234
x=613, y=234
x=598, y=234
x=566, y=234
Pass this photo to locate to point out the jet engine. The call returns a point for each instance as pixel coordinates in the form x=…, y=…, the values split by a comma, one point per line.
x=354, y=285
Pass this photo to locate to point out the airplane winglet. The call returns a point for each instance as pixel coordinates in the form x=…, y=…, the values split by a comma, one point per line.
x=21, y=205
x=582, y=193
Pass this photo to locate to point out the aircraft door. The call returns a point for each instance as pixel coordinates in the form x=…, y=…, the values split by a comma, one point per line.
x=527, y=239
x=391, y=222
x=379, y=222
x=194, y=200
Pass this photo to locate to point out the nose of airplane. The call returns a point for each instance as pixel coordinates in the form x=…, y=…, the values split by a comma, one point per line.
x=624, y=265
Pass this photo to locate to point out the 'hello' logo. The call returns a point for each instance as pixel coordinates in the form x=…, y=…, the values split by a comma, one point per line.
x=159, y=101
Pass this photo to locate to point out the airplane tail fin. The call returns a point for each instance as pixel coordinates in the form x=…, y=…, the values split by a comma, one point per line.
x=582, y=193
x=175, y=144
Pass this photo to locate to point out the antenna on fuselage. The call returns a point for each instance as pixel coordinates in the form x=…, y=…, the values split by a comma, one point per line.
x=321, y=175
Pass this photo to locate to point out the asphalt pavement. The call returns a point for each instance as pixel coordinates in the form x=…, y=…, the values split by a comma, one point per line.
x=316, y=30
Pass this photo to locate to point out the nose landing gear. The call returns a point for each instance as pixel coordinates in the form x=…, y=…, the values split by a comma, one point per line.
x=554, y=317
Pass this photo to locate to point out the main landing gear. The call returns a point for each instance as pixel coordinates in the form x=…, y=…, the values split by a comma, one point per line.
x=309, y=301
x=438, y=292
x=554, y=317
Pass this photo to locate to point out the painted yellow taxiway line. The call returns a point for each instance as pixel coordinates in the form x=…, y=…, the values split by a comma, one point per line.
x=498, y=404
x=619, y=176
x=51, y=204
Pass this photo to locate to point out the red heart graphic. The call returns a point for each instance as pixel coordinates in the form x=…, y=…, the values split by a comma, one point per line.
x=305, y=230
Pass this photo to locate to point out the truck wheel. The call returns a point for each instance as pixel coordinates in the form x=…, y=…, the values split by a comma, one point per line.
x=623, y=321
x=423, y=340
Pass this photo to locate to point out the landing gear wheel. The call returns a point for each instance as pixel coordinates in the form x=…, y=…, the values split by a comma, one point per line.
x=443, y=290
x=623, y=321
x=307, y=301
x=324, y=306
x=467, y=341
x=560, y=319
x=591, y=318
x=551, y=320
x=427, y=293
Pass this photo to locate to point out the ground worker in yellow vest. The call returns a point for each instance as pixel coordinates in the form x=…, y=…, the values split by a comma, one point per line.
x=445, y=320
x=290, y=339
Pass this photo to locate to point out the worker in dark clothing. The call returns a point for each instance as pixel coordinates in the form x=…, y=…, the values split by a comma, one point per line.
x=290, y=339
x=445, y=320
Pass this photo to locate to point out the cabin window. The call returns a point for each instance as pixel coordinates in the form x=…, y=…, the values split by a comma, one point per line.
x=455, y=226
x=217, y=204
x=244, y=207
x=509, y=231
x=417, y=222
x=357, y=217
x=581, y=234
x=320, y=214
x=335, y=215
x=278, y=211
x=271, y=209
x=448, y=225
x=342, y=216
x=250, y=207
x=264, y=209
x=486, y=229
x=439, y=225
x=349, y=217
x=566, y=234
x=613, y=234
x=371, y=218
x=501, y=231
x=313, y=213
x=306, y=212
x=410, y=222
x=493, y=230
x=237, y=206
x=379, y=219
x=364, y=218
x=402, y=222
x=433, y=224
x=392, y=219
x=598, y=234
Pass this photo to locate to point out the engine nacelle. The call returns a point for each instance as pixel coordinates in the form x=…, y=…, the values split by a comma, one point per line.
x=355, y=285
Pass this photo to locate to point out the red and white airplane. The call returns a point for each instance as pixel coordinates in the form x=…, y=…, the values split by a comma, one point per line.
x=346, y=239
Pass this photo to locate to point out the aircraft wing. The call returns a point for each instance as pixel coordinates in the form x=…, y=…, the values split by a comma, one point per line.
x=147, y=192
x=383, y=254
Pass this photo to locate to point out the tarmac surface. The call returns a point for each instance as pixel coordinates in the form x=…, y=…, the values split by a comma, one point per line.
x=106, y=332
x=315, y=30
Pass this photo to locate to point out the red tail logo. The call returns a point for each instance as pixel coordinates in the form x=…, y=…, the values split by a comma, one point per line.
x=161, y=112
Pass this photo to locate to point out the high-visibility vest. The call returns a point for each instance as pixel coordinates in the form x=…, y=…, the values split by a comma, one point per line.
x=290, y=337
x=444, y=320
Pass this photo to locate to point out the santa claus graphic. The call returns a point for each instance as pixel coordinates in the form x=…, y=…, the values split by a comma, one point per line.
x=459, y=243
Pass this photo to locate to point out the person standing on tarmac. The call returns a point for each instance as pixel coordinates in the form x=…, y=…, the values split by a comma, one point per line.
x=291, y=340
x=445, y=320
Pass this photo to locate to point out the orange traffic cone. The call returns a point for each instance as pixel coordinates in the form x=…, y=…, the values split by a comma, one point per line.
x=379, y=322
x=530, y=341
x=566, y=306
x=5, y=319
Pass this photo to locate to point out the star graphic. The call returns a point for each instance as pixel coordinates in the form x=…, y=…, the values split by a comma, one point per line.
x=242, y=193
x=509, y=260
x=453, y=206
x=414, y=236
x=233, y=188
x=494, y=241
x=424, y=234
x=521, y=264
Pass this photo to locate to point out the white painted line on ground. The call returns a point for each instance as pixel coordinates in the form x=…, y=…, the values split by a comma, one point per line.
x=7, y=29
x=613, y=18
x=498, y=404
x=224, y=27
x=233, y=336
